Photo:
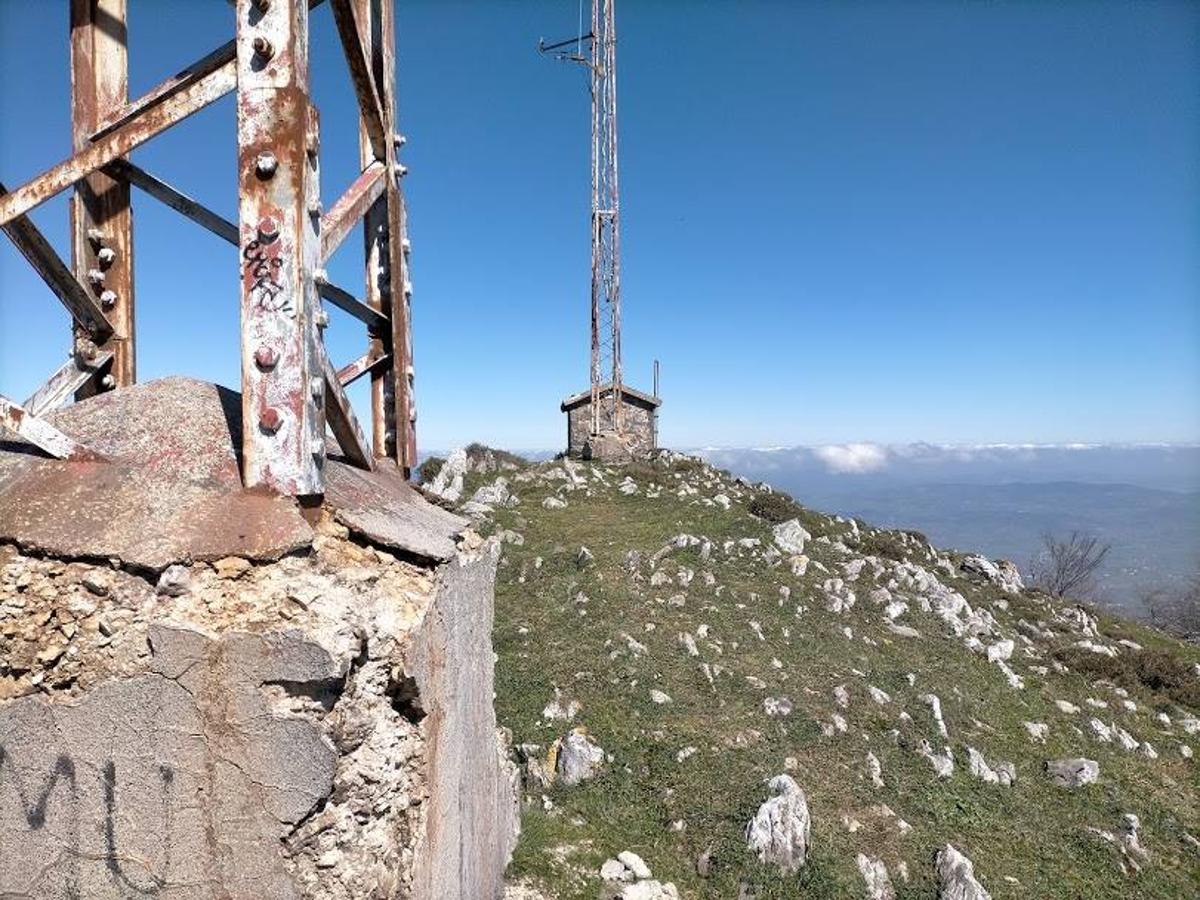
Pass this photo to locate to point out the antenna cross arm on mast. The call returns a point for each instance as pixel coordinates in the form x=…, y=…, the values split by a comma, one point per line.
x=543, y=47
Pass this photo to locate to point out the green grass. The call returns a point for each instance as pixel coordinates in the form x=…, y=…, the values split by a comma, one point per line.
x=1033, y=832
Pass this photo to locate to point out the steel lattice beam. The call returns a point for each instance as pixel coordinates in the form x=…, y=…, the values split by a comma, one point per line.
x=290, y=391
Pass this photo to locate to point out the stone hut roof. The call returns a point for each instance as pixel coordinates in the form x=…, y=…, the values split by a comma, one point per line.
x=627, y=393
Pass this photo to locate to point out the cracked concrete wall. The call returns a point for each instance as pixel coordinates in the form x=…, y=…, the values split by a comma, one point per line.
x=321, y=726
x=179, y=780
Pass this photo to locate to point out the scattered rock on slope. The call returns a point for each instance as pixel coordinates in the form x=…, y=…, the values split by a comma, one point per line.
x=790, y=536
x=448, y=483
x=875, y=874
x=779, y=831
x=1073, y=772
x=956, y=877
x=579, y=758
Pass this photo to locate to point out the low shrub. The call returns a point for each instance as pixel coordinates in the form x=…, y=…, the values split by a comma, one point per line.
x=775, y=508
x=1157, y=670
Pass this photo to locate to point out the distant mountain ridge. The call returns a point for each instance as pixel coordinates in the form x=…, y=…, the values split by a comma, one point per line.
x=1170, y=467
x=1143, y=499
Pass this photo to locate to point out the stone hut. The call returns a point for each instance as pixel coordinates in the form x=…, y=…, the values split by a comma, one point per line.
x=640, y=419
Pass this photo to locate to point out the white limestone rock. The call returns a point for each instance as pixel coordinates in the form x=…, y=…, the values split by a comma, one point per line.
x=1001, y=650
x=634, y=864
x=875, y=769
x=1073, y=772
x=935, y=707
x=779, y=832
x=448, y=483
x=579, y=758
x=647, y=890
x=615, y=870
x=875, y=874
x=1004, y=773
x=956, y=877
x=790, y=537
x=777, y=707
x=556, y=709
x=1037, y=731
x=1002, y=573
x=943, y=763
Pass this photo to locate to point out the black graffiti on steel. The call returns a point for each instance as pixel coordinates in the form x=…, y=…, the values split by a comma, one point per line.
x=266, y=290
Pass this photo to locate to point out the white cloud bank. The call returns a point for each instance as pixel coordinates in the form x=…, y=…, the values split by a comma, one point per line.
x=852, y=458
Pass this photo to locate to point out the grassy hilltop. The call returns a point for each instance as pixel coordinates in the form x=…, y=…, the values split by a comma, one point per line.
x=776, y=662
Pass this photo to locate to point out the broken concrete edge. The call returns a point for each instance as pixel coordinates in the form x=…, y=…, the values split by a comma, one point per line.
x=467, y=764
x=207, y=695
x=151, y=573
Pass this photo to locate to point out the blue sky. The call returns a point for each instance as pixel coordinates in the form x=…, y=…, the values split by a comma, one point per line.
x=886, y=222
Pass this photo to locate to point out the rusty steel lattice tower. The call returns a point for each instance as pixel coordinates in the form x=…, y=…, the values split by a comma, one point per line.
x=290, y=389
x=601, y=61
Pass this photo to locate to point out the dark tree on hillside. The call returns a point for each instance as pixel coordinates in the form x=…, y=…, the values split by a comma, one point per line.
x=1067, y=567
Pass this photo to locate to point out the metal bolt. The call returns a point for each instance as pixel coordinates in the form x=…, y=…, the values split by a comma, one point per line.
x=401, y=171
x=407, y=288
x=96, y=236
x=107, y=256
x=108, y=299
x=322, y=319
x=399, y=140
x=108, y=382
x=266, y=358
x=314, y=206
x=263, y=48
x=320, y=276
x=262, y=5
x=270, y=420
x=406, y=245
x=319, y=453
x=95, y=277
x=87, y=350
x=268, y=229
x=317, y=386
x=265, y=164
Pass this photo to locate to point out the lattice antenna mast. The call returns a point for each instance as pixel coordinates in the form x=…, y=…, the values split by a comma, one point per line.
x=606, y=216
x=601, y=61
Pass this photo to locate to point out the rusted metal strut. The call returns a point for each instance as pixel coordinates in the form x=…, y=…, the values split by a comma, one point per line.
x=291, y=391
